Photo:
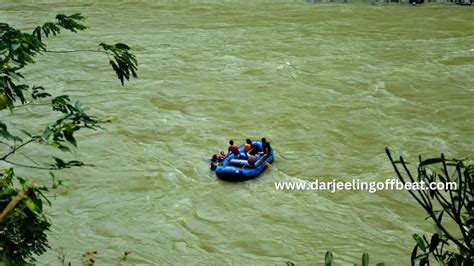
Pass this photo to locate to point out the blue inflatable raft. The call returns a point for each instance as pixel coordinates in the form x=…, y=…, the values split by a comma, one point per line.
x=235, y=168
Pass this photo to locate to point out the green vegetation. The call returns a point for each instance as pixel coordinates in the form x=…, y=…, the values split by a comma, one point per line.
x=451, y=211
x=329, y=259
x=23, y=225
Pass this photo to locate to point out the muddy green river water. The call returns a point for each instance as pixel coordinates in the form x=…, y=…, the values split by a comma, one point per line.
x=329, y=85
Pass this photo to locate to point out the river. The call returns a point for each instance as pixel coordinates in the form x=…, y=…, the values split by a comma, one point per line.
x=329, y=85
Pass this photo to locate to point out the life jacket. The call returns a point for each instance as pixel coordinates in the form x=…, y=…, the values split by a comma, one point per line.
x=234, y=149
x=248, y=147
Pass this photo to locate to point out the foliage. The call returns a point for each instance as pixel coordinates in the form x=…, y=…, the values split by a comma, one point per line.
x=125, y=63
x=23, y=224
x=89, y=258
x=445, y=208
x=23, y=232
x=448, y=246
x=329, y=259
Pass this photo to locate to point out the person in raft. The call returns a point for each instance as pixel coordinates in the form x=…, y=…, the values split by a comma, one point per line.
x=248, y=145
x=251, y=161
x=214, y=162
x=250, y=149
x=233, y=149
x=216, y=159
x=264, y=142
x=221, y=156
x=267, y=149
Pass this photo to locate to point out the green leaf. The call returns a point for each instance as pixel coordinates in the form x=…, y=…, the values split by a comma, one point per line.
x=122, y=46
x=125, y=62
x=420, y=242
x=365, y=259
x=26, y=132
x=61, y=104
x=31, y=205
x=328, y=259
x=48, y=131
x=18, y=89
x=4, y=133
x=38, y=92
x=51, y=28
x=22, y=181
x=77, y=16
x=69, y=137
x=59, y=163
x=61, y=147
x=15, y=46
x=37, y=201
x=434, y=242
x=70, y=22
x=65, y=183
x=469, y=220
x=37, y=32
x=42, y=195
x=106, y=46
x=4, y=102
x=431, y=161
x=68, y=134
x=440, y=216
x=468, y=162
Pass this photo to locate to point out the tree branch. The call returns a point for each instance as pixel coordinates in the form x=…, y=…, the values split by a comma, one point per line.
x=31, y=104
x=31, y=166
x=11, y=205
x=14, y=149
x=428, y=208
x=27, y=157
x=75, y=51
x=4, y=143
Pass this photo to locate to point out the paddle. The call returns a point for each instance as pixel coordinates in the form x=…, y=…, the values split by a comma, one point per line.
x=269, y=165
